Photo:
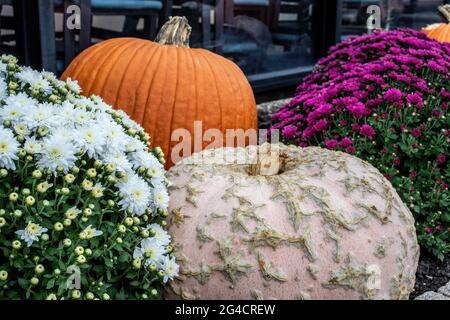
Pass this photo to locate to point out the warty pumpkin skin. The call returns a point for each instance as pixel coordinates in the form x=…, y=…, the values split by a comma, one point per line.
x=440, y=31
x=166, y=85
x=316, y=224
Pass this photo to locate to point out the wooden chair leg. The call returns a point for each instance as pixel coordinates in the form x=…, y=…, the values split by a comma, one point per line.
x=85, y=24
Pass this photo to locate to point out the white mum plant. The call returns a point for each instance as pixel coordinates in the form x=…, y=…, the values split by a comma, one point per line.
x=82, y=196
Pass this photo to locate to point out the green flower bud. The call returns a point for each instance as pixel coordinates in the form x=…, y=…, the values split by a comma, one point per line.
x=144, y=233
x=134, y=229
x=105, y=296
x=75, y=294
x=3, y=275
x=111, y=179
x=79, y=250
x=98, y=164
x=91, y=173
x=42, y=131
x=161, y=273
x=3, y=173
x=88, y=252
x=111, y=203
x=51, y=296
x=144, y=296
x=30, y=200
x=42, y=187
x=67, y=222
x=39, y=269
x=36, y=174
x=128, y=221
x=89, y=296
x=69, y=178
x=2, y=222
x=67, y=242
x=65, y=191
x=152, y=267
x=45, y=203
x=81, y=259
x=34, y=281
x=2, y=212
x=13, y=197
x=22, y=153
x=75, y=169
x=122, y=229
x=84, y=219
x=87, y=212
x=163, y=223
x=154, y=292
x=136, y=220
x=26, y=191
x=17, y=213
x=119, y=240
x=45, y=237
x=137, y=263
x=57, y=272
x=58, y=226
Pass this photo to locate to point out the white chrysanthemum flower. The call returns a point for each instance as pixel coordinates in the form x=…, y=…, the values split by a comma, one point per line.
x=115, y=137
x=119, y=160
x=159, y=234
x=150, y=251
x=136, y=195
x=89, y=233
x=97, y=190
x=50, y=76
x=31, y=233
x=3, y=68
x=9, y=148
x=133, y=145
x=170, y=268
x=57, y=152
x=160, y=197
x=41, y=115
x=28, y=76
x=81, y=117
x=92, y=140
x=12, y=112
x=73, y=85
x=21, y=129
x=21, y=100
x=3, y=89
x=32, y=145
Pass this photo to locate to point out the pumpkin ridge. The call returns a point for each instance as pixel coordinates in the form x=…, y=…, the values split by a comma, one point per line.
x=215, y=86
x=138, y=47
x=111, y=61
x=149, y=89
x=133, y=112
x=161, y=67
x=95, y=72
x=221, y=63
x=177, y=76
x=95, y=52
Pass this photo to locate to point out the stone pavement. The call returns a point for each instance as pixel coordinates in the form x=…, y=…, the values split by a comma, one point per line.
x=443, y=293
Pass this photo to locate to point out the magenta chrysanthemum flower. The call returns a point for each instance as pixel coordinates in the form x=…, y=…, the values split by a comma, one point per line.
x=367, y=131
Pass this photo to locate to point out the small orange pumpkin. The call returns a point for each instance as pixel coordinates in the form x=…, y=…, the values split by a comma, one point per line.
x=165, y=85
x=440, y=31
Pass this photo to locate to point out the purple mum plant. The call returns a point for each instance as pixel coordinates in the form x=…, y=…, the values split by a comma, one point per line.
x=384, y=97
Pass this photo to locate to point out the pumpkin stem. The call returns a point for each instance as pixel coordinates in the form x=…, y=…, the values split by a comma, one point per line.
x=444, y=11
x=269, y=162
x=175, y=32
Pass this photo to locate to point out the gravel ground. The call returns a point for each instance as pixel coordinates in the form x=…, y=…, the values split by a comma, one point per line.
x=431, y=274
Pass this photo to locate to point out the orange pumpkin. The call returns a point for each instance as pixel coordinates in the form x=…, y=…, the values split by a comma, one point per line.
x=440, y=31
x=165, y=85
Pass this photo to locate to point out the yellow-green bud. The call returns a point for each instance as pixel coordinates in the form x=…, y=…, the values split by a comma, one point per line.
x=2, y=222
x=13, y=196
x=76, y=294
x=65, y=191
x=137, y=263
x=16, y=244
x=3, y=275
x=17, y=213
x=81, y=259
x=122, y=228
x=57, y=272
x=37, y=174
x=30, y=200
x=152, y=267
x=46, y=203
x=154, y=292
x=88, y=252
x=75, y=169
x=34, y=281
x=45, y=237
x=145, y=233
x=67, y=222
x=42, y=187
x=79, y=250
x=89, y=296
x=128, y=221
x=58, y=226
x=105, y=296
x=26, y=191
x=119, y=240
x=91, y=173
x=39, y=269
x=136, y=220
x=3, y=173
x=67, y=242
x=87, y=212
x=51, y=296
x=69, y=178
